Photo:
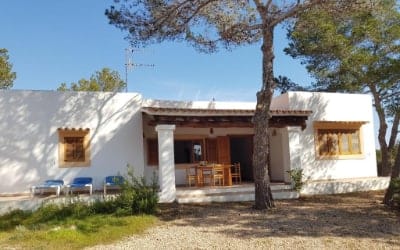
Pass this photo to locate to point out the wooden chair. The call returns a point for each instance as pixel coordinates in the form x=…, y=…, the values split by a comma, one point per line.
x=218, y=175
x=191, y=176
x=207, y=175
x=235, y=173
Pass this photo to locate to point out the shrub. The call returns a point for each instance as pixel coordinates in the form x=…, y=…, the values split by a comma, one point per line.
x=46, y=213
x=13, y=218
x=104, y=207
x=296, y=175
x=137, y=197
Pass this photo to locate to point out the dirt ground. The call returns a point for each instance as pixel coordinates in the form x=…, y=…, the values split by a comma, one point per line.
x=351, y=221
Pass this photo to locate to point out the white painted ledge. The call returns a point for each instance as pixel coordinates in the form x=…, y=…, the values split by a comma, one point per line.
x=344, y=185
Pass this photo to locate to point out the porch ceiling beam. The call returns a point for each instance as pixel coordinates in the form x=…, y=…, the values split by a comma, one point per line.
x=224, y=121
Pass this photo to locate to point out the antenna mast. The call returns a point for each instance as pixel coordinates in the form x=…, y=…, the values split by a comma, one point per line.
x=129, y=64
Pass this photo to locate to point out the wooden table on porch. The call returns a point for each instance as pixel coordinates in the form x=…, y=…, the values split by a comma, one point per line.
x=200, y=169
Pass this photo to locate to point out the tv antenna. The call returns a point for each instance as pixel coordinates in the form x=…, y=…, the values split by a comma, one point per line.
x=130, y=64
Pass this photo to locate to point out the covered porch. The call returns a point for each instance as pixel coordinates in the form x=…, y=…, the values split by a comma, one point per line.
x=180, y=138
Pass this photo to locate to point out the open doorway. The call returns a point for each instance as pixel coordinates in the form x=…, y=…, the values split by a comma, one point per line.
x=242, y=151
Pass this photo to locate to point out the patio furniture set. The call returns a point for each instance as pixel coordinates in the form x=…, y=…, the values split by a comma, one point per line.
x=213, y=174
x=77, y=184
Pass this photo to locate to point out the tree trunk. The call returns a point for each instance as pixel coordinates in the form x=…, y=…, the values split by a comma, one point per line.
x=394, y=131
x=385, y=167
x=396, y=166
x=261, y=155
x=388, y=199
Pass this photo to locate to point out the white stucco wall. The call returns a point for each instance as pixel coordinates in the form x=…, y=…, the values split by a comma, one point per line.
x=29, y=137
x=335, y=107
x=280, y=102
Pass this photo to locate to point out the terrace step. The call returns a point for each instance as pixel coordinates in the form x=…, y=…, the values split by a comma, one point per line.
x=231, y=194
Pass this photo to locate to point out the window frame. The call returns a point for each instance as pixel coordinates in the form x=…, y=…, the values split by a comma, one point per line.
x=73, y=133
x=339, y=128
x=152, y=150
x=192, y=142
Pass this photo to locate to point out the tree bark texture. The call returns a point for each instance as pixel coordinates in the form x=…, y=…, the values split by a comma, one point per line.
x=396, y=166
x=385, y=167
x=388, y=199
x=394, y=131
x=261, y=156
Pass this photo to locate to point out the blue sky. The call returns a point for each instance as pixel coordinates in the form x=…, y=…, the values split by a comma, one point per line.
x=51, y=42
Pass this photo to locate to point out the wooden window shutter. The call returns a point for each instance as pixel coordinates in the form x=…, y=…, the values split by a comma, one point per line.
x=74, y=149
x=69, y=151
x=152, y=152
x=211, y=150
x=224, y=150
x=79, y=149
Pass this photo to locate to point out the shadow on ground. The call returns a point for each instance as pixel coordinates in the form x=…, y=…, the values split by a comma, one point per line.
x=359, y=215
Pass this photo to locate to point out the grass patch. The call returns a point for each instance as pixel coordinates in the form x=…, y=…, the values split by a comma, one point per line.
x=76, y=233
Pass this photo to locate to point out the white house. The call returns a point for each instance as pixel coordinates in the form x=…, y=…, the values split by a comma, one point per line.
x=327, y=135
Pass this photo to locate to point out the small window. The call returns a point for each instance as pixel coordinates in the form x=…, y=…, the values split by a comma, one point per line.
x=338, y=139
x=74, y=147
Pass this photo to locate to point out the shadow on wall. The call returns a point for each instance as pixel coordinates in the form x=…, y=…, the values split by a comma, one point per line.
x=312, y=167
x=29, y=137
x=335, y=107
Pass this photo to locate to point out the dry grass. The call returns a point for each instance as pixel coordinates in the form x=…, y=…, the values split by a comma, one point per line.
x=351, y=221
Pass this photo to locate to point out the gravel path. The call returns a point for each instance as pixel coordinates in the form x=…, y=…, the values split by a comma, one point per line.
x=330, y=222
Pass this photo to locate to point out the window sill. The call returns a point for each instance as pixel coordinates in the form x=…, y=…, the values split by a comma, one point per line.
x=75, y=164
x=341, y=157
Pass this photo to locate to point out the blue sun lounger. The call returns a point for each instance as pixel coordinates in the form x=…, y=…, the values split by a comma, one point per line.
x=80, y=183
x=113, y=182
x=52, y=185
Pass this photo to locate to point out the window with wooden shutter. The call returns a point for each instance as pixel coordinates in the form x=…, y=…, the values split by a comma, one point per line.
x=152, y=152
x=224, y=150
x=211, y=150
x=338, y=139
x=74, y=147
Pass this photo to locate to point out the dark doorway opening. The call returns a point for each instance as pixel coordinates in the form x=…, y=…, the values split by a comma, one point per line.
x=242, y=151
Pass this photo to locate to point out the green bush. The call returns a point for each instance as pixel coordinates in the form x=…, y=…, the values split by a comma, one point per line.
x=48, y=212
x=81, y=210
x=297, y=178
x=137, y=197
x=13, y=218
x=104, y=207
